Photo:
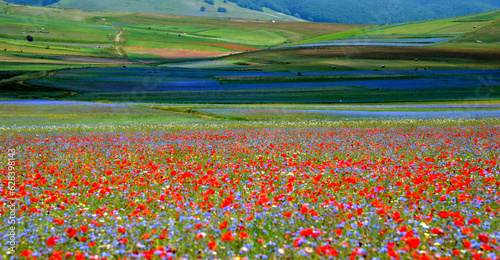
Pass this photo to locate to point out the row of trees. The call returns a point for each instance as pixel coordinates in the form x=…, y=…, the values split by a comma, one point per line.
x=220, y=9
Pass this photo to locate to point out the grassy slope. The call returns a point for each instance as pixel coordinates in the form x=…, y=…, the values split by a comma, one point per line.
x=172, y=7
x=462, y=51
x=452, y=27
x=145, y=36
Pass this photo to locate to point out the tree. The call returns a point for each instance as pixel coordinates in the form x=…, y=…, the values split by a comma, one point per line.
x=29, y=38
x=221, y=10
x=202, y=9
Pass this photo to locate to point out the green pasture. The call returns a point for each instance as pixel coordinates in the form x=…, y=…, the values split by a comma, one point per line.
x=13, y=26
x=35, y=67
x=487, y=37
x=172, y=28
x=241, y=36
x=251, y=37
x=187, y=8
x=59, y=14
x=48, y=48
x=332, y=37
x=17, y=114
x=56, y=117
x=146, y=35
x=450, y=27
x=168, y=45
x=69, y=27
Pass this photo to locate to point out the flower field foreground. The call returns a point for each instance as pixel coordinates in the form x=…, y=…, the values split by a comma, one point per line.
x=320, y=193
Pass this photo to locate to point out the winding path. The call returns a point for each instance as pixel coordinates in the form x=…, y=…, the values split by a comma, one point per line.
x=118, y=45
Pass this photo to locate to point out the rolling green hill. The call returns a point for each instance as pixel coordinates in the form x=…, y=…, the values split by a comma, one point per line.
x=74, y=38
x=337, y=11
x=186, y=8
x=465, y=42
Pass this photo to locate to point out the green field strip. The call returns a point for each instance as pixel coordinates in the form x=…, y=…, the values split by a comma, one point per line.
x=254, y=37
x=167, y=45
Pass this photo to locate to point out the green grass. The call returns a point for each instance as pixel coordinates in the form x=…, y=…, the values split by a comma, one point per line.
x=165, y=37
x=204, y=36
x=331, y=37
x=59, y=14
x=12, y=26
x=172, y=28
x=171, y=7
x=450, y=27
x=167, y=45
x=39, y=114
x=253, y=37
x=35, y=67
x=49, y=48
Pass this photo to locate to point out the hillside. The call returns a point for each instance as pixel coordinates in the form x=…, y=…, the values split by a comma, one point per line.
x=470, y=42
x=337, y=11
x=375, y=11
x=208, y=8
x=64, y=38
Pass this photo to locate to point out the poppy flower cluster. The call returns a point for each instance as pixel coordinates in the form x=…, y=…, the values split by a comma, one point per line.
x=347, y=193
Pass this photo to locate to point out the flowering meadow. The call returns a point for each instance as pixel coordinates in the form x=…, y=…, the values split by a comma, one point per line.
x=316, y=193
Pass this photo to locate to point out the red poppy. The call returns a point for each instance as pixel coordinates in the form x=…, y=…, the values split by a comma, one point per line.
x=212, y=245
x=483, y=238
x=403, y=229
x=84, y=228
x=467, y=230
x=438, y=231
x=396, y=216
x=52, y=241
x=243, y=235
x=413, y=242
x=474, y=221
x=444, y=214
x=71, y=232
x=467, y=244
x=306, y=232
x=28, y=254
x=228, y=236
x=223, y=225
x=79, y=256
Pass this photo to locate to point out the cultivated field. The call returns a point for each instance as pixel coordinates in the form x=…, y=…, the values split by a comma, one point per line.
x=278, y=193
x=126, y=136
